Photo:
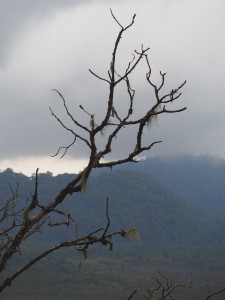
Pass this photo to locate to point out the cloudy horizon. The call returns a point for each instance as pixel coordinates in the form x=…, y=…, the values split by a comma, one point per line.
x=52, y=44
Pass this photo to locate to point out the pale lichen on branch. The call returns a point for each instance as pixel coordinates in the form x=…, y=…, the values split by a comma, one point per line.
x=34, y=216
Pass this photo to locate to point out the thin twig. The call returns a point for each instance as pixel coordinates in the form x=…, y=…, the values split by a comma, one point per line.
x=101, y=78
x=132, y=295
x=215, y=293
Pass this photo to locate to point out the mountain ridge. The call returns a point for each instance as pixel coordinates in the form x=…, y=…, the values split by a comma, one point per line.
x=180, y=238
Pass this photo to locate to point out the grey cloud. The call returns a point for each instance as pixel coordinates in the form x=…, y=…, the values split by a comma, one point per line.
x=14, y=16
x=179, y=46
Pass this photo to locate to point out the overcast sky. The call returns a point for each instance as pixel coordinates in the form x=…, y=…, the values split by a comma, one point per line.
x=52, y=44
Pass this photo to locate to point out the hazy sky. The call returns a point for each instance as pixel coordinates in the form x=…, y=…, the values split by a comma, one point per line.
x=52, y=44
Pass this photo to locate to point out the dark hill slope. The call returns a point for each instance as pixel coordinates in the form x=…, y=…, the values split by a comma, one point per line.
x=135, y=200
x=198, y=179
x=140, y=201
x=179, y=239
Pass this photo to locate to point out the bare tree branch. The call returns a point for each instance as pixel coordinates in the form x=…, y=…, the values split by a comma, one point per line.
x=80, y=244
x=164, y=289
x=103, y=79
x=68, y=112
x=19, y=224
x=215, y=293
x=132, y=295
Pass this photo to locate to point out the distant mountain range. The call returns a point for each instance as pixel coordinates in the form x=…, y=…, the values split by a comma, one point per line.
x=177, y=205
x=198, y=179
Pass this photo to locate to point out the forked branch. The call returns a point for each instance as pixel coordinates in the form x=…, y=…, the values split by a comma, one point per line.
x=34, y=215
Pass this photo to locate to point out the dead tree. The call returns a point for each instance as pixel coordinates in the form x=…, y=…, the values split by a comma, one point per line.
x=164, y=289
x=20, y=225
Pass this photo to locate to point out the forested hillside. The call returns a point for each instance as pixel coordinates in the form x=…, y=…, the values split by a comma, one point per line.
x=178, y=237
x=198, y=179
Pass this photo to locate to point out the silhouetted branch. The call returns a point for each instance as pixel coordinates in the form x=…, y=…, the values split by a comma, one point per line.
x=81, y=244
x=98, y=76
x=18, y=225
x=132, y=295
x=215, y=293
x=66, y=148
